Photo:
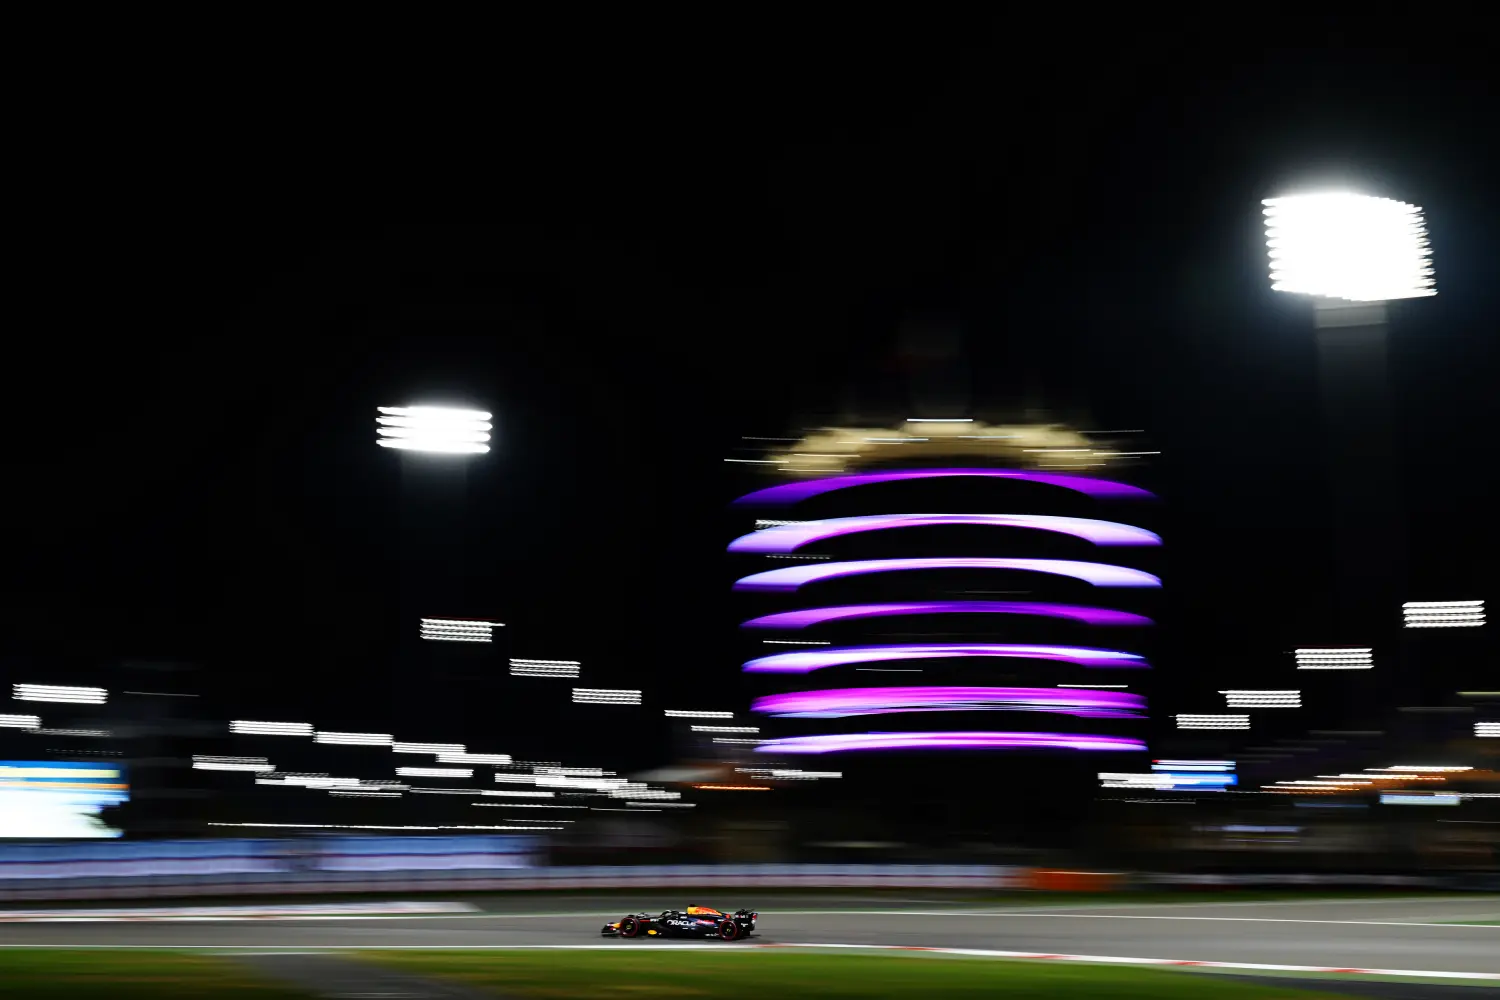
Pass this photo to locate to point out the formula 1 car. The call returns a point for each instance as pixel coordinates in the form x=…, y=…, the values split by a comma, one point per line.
x=694, y=922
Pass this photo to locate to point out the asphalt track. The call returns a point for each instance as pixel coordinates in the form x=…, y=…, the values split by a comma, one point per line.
x=1401, y=934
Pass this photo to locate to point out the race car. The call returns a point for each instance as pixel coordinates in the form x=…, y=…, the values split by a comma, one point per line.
x=694, y=922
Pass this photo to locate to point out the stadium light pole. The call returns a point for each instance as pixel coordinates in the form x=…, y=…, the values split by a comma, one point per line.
x=436, y=445
x=1352, y=254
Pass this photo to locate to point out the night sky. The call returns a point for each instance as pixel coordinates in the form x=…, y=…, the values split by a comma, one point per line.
x=635, y=241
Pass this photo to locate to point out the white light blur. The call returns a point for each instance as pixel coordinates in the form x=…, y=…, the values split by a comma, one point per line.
x=399, y=747
x=516, y=793
x=271, y=728
x=363, y=795
x=544, y=668
x=1335, y=659
x=20, y=721
x=1340, y=245
x=1443, y=614
x=1219, y=766
x=1108, y=687
x=204, y=762
x=737, y=741
x=1424, y=768
x=1487, y=729
x=683, y=713
x=762, y=523
x=473, y=758
x=605, y=696
x=457, y=630
x=1263, y=699
x=726, y=729
x=354, y=739
x=655, y=794
x=435, y=772
x=1213, y=721
x=664, y=805
x=57, y=692
x=435, y=429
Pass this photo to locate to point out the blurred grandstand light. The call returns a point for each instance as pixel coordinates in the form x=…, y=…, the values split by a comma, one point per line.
x=726, y=729
x=354, y=739
x=1424, y=768
x=605, y=696
x=1443, y=614
x=1263, y=699
x=433, y=429
x=474, y=758
x=682, y=713
x=1491, y=729
x=20, y=721
x=202, y=762
x=733, y=788
x=435, y=772
x=1335, y=658
x=1341, y=245
x=458, y=630
x=56, y=692
x=363, y=794
x=1192, y=765
x=544, y=668
x=1213, y=721
x=271, y=728
x=427, y=747
x=516, y=793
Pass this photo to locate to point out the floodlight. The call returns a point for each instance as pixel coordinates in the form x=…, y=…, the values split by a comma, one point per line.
x=56, y=692
x=686, y=713
x=605, y=696
x=1443, y=614
x=1212, y=721
x=1490, y=729
x=544, y=668
x=1340, y=245
x=435, y=429
x=457, y=630
x=354, y=739
x=254, y=728
x=20, y=722
x=1263, y=699
x=1335, y=659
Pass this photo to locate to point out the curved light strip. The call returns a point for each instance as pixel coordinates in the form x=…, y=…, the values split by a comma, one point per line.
x=1099, y=574
x=817, y=616
x=790, y=537
x=806, y=661
x=835, y=743
x=789, y=493
x=844, y=702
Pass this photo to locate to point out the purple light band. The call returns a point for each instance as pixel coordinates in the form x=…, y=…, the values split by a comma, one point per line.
x=790, y=537
x=789, y=493
x=792, y=577
x=837, y=743
x=838, y=704
x=806, y=661
x=817, y=616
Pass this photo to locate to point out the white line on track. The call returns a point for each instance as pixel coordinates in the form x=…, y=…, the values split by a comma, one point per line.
x=721, y=949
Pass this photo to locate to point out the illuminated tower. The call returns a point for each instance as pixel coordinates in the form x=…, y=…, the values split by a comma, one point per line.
x=947, y=586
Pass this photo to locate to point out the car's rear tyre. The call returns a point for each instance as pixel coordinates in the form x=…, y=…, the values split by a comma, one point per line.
x=729, y=930
x=630, y=927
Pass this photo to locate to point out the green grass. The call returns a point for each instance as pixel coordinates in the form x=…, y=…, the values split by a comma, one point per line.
x=130, y=975
x=601, y=975
x=1475, y=923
